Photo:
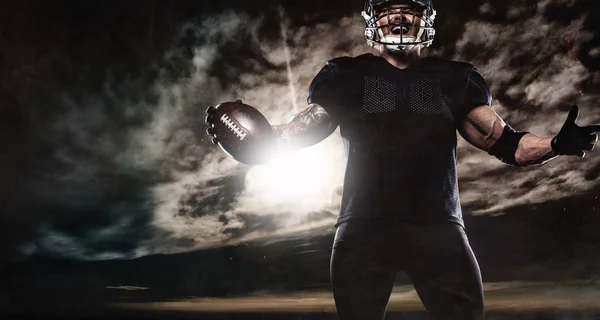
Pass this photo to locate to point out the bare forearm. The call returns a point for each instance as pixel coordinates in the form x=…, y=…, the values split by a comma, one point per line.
x=534, y=150
x=484, y=129
x=285, y=134
x=306, y=128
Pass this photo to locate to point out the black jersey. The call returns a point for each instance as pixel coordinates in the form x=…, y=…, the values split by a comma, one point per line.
x=399, y=132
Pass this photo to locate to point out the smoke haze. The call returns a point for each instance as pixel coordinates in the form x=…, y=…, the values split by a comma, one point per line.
x=124, y=169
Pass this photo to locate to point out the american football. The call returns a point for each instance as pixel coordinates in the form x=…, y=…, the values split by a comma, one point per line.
x=241, y=131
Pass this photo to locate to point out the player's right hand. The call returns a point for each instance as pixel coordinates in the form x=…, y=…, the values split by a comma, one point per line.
x=572, y=139
x=210, y=124
x=241, y=131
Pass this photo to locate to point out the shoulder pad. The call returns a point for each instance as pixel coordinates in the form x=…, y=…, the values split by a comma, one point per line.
x=348, y=63
x=448, y=65
x=340, y=63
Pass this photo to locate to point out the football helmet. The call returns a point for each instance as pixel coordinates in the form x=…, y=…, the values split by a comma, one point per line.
x=421, y=9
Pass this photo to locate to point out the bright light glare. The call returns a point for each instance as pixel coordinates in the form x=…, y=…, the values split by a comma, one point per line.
x=305, y=179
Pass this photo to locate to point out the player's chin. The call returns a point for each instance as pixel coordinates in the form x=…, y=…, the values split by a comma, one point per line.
x=403, y=54
x=399, y=53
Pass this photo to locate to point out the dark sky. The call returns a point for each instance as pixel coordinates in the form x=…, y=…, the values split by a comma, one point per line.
x=104, y=155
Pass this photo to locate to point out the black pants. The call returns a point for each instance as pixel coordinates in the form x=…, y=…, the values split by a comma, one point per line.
x=438, y=259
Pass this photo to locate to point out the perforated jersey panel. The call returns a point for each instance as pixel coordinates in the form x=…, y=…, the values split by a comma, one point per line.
x=399, y=130
x=380, y=95
x=426, y=96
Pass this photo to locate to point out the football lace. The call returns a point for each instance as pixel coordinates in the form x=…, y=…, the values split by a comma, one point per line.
x=233, y=127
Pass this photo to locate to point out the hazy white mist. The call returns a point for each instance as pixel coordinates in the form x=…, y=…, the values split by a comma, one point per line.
x=195, y=203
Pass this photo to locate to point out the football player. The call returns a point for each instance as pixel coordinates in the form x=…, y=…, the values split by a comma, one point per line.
x=398, y=114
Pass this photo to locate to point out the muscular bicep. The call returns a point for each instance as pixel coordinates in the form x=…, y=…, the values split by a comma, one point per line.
x=310, y=126
x=482, y=127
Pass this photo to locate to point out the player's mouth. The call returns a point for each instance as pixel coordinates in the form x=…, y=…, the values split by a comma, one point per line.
x=400, y=30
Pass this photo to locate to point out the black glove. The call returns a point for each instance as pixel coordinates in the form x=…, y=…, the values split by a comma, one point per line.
x=210, y=122
x=572, y=139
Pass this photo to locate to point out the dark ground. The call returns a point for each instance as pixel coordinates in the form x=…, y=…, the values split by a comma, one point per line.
x=114, y=314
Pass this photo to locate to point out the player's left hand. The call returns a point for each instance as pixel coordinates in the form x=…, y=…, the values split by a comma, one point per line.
x=572, y=139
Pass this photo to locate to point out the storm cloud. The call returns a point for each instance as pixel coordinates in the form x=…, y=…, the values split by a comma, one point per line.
x=127, y=170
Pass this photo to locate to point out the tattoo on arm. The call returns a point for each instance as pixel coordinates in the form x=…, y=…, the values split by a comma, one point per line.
x=310, y=126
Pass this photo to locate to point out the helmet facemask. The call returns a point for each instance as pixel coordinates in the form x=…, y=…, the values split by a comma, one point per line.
x=397, y=39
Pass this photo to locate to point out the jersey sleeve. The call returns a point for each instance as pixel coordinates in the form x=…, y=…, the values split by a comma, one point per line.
x=475, y=93
x=322, y=90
